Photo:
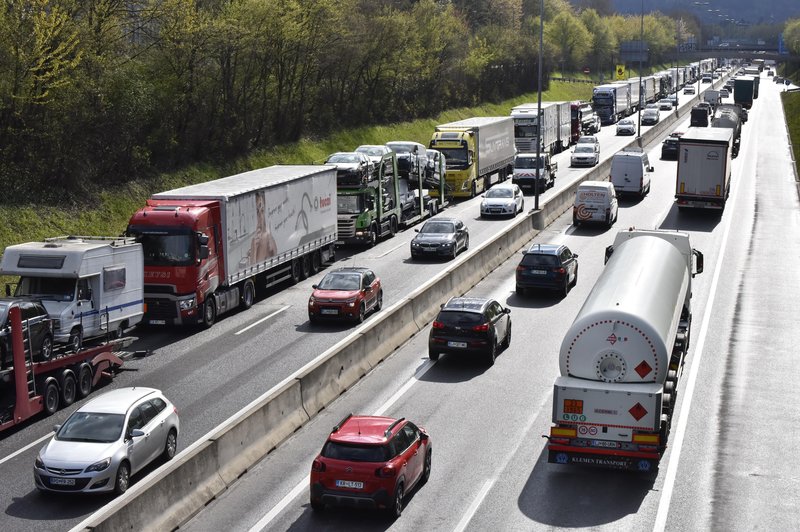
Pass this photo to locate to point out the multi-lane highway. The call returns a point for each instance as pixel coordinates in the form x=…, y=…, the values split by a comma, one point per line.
x=486, y=424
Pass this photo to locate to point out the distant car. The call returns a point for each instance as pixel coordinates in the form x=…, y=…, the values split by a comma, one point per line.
x=592, y=140
x=352, y=168
x=770, y=73
x=374, y=152
x=777, y=79
x=503, y=199
x=723, y=93
x=470, y=325
x=715, y=75
x=626, y=126
x=651, y=106
x=665, y=104
x=584, y=155
x=550, y=266
x=107, y=440
x=673, y=99
x=37, y=328
x=650, y=117
x=669, y=148
x=706, y=79
x=440, y=237
x=370, y=462
x=346, y=293
x=689, y=89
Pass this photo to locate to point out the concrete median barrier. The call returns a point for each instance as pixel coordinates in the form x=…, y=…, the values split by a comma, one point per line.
x=176, y=491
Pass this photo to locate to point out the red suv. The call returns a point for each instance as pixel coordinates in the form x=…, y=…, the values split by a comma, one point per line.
x=348, y=293
x=370, y=462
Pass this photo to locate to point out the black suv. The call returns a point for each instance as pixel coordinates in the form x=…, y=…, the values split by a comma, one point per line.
x=470, y=325
x=669, y=148
x=550, y=266
x=37, y=329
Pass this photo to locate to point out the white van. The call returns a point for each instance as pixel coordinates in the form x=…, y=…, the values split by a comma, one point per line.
x=630, y=172
x=90, y=286
x=595, y=202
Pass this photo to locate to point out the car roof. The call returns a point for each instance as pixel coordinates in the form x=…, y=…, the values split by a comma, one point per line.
x=544, y=249
x=351, y=269
x=468, y=304
x=503, y=185
x=365, y=429
x=118, y=401
x=443, y=219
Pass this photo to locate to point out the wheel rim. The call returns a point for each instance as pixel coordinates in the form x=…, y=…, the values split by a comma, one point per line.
x=398, y=500
x=249, y=295
x=77, y=341
x=172, y=444
x=47, y=347
x=69, y=390
x=362, y=311
x=52, y=398
x=210, y=312
x=123, y=477
x=85, y=381
x=379, y=304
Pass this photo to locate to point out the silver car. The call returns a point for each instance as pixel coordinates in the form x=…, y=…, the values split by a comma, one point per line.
x=503, y=199
x=91, y=452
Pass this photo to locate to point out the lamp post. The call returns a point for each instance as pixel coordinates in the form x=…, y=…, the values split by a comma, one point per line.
x=539, y=111
x=677, y=52
x=641, y=54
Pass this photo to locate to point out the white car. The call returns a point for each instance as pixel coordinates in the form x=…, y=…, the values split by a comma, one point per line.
x=689, y=89
x=592, y=140
x=107, y=440
x=665, y=104
x=375, y=152
x=504, y=199
x=584, y=155
x=626, y=126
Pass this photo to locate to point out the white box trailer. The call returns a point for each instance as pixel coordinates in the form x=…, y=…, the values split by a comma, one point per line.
x=528, y=128
x=90, y=286
x=704, y=168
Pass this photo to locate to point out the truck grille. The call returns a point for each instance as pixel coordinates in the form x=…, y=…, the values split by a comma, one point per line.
x=346, y=228
x=160, y=309
x=525, y=146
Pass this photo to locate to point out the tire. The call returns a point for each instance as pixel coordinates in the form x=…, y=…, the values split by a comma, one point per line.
x=316, y=262
x=46, y=348
x=455, y=251
x=379, y=301
x=209, y=312
x=76, y=339
x=522, y=207
x=520, y=291
x=119, y=332
x=68, y=389
x=507, y=339
x=373, y=236
x=362, y=313
x=51, y=399
x=393, y=225
x=474, y=191
x=564, y=291
x=248, y=294
x=84, y=380
x=316, y=506
x=426, y=471
x=305, y=266
x=397, y=506
x=296, y=275
x=491, y=355
x=466, y=243
x=575, y=280
x=122, y=478
x=433, y=356
x=170, y=446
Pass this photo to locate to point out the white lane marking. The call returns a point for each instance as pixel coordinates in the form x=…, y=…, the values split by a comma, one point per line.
x=16, y=453
x=398, y=246
x=262, y=320
x=672, y=469
x=303, y=484
x=474, y=506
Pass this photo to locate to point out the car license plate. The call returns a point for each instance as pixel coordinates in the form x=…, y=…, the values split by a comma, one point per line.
x=350, y=484
x=538, y=272
x=603, y=443
x=157, y=322
x=62, y=481
x=457, y=344
x=329, y=311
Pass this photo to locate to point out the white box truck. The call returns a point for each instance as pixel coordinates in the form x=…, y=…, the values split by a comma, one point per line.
x=91, y=286
x=622, y=357
x=704, y=168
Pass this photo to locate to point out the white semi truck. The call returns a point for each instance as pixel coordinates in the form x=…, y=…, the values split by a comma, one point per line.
x=622, y=357
x=704, y=168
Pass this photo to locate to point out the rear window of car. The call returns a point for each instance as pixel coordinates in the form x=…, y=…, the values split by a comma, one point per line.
x=451, y=317
x=355, y=453
x=532, y=259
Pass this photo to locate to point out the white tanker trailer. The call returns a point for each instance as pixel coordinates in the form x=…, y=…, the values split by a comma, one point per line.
x=621, y=359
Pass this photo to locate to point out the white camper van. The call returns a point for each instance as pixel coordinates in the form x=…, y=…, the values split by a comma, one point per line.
x=90, y=286
x=595, y=202
x=630, y=172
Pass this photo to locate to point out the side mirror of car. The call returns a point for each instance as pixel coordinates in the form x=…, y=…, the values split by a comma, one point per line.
x=314, y=286
x=56, y=428
x=506, y=311
x=137, y=433
x=416, y=230
x=574, y=255
x=423, y=436
x=650, y=169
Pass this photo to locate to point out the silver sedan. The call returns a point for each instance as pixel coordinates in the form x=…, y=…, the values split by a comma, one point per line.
x=106, y=441
x=503, y=199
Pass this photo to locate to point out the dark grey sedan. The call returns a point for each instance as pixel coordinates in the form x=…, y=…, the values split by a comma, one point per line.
x=440, y=237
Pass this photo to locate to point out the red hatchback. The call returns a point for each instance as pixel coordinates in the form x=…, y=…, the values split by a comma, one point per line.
x=348, y=293
x=370, y=462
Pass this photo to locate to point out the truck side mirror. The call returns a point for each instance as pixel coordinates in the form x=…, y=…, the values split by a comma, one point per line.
x=202, y=239
x=203, y=252
x=698, y=262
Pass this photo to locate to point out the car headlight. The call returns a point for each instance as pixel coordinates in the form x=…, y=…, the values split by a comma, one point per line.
x=99, y=466
x=38, y=464
x=187, y=304
x=311, y=301
x=414, y=244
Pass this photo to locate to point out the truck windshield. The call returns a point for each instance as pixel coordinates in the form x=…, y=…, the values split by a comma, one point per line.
x=165, y=248
x=455, y=158
x=46, y=288
x=349, y=204
x=525, y=131
x=525, y=162
x=602, y=98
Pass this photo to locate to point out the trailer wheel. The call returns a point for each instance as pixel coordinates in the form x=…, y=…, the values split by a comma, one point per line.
x=316, y=262
x=68, y=389
x=209, y=312
x=76, y=339
x=248, y=294
x=85, y=380
x=50, y=398
x=305, y=266
x=296, y=273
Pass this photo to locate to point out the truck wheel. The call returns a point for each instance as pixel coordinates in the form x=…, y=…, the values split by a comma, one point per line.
x=76, y=339
x=248, y=294
x=393, y=225
x=305, y=266
x=50, y=398
x=373, y=236
x=296, y=273
x=474, y=191
x=316, y=262
x=46, y=349
x=209, y=312
x=85, y=380
x=68, y=389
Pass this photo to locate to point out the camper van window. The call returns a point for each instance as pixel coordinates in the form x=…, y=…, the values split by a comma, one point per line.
x=113, y=278
x=46, y=288
x=83, y=290
x=45, y=262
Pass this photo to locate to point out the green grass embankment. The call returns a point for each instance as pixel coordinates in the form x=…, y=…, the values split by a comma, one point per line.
x=791, y=109
x=110, y=214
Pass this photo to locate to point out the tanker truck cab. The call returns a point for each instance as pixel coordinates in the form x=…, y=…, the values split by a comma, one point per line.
x=90, y=286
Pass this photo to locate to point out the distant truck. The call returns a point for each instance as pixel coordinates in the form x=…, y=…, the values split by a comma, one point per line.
x=622, y=357
x=584, y=121
x=704, y=168
x=29, y=388
x=699, y=116
x=556, y=127
x=611, y=102
x=91, y=286
x=730, y=116
x=478, y=152
x=743, y=89
x=530, y=176
x=207, y=247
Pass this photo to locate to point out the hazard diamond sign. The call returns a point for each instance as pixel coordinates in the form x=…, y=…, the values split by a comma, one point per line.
x=620, y=71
